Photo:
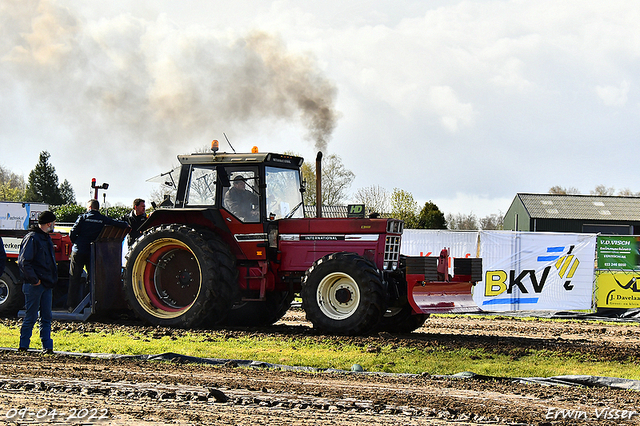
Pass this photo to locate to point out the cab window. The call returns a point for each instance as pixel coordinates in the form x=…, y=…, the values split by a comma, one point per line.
x=202, y=187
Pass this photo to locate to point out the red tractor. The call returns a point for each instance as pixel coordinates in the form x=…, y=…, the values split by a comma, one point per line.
x=235, y=248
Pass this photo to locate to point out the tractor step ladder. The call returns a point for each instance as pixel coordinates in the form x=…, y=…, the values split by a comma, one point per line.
x=263, y=283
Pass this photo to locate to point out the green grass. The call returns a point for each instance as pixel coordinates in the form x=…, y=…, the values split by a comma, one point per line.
x=330, y=353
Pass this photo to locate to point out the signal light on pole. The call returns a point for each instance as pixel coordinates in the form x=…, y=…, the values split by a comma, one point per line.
x=96, y=187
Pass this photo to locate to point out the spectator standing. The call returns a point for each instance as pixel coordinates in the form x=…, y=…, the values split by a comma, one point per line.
x=37, y=264
x=85, y=231
x=135, y=218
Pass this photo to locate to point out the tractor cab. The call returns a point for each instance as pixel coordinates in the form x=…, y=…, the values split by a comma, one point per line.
x=253, y=188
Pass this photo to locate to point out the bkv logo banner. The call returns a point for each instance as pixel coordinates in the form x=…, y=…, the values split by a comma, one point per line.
x=536, y=271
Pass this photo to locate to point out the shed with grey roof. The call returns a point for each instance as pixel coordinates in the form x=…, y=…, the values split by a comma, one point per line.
x=574, y=213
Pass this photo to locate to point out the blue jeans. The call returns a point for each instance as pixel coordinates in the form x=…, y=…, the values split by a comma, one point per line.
x=78, y=261
x=37, y=298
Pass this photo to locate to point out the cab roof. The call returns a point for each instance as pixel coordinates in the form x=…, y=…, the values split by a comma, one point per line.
x=253, y=158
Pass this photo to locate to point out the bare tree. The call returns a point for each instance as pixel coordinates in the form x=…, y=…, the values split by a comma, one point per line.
x=600, y=190
x=375, y=197
x=460, y=221
x=626, y=192
x=603, y=191
x=492, y=222
x=161, y=193
x=563, y=191
x=336, y=180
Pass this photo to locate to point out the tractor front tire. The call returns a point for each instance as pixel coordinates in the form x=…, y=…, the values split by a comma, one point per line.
x=177, y=276
x=11, y=296
x=342, y=293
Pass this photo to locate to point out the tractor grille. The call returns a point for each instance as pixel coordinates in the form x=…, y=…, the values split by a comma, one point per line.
x=392, y=244
x=391, y=251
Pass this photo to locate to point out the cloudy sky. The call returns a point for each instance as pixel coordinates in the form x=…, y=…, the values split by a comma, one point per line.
x=464, y=103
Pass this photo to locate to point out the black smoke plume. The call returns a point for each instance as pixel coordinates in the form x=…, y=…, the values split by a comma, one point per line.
x=152, y=84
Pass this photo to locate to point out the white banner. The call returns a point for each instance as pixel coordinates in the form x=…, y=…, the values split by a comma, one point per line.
x=536, y=271
x=16, y=216
x=11, y=245
x=429, y=242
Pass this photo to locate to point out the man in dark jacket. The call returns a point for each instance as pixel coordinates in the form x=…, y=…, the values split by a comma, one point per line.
x=85, y=231
x=135, y=218
x=37, y=263
x=241, y=202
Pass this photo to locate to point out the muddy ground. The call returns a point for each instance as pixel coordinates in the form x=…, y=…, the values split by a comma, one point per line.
x=62, y=389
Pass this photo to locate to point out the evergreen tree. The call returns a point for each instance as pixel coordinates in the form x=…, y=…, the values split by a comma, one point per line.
x=431, y=217
x=42, y=186
x=67, y=193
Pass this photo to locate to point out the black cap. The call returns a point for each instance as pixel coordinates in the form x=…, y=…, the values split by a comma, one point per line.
x=46, y=217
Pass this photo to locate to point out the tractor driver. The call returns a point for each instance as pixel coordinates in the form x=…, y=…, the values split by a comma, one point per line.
x=241, y=202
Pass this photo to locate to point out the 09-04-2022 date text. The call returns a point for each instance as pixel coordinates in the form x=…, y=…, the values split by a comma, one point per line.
x=84, y=414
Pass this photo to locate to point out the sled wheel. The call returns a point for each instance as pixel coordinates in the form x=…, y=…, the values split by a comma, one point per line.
x=11, y=296
x=258, y=314
x=342, y=293
x=175, y=278
x=400, y=319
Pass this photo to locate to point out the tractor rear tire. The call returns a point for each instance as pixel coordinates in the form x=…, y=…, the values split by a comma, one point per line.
x=11, y=296
x=342, y=293
x=177, y=276
x=259, y=314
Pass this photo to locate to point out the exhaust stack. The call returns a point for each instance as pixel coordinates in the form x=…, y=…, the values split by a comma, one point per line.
x=319, y=184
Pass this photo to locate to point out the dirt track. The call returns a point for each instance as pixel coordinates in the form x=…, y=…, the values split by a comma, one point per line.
x=128, y=392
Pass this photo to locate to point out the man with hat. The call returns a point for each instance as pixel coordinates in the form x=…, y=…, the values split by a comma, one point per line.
x=39, y=272
x=241, y=202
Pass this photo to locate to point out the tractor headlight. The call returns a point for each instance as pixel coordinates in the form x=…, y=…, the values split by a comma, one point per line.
x=389, y=266
x=273, y=237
